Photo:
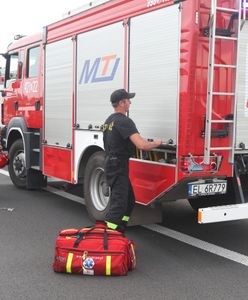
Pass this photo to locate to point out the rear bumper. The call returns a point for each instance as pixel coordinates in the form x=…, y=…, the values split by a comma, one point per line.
x=180, y=190
x=223, y=213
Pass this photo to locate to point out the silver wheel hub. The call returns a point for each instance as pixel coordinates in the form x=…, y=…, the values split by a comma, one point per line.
x=99, y=189
x=19, y=165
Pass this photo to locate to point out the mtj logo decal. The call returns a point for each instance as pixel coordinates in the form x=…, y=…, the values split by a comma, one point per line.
x=99, y=70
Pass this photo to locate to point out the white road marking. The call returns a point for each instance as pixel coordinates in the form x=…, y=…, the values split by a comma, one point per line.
x=6, y=173
x=217, y=250
x=6, y=209
x=65, y=194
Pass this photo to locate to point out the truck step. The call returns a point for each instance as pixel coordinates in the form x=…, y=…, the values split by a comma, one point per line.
x=35, y=168
x=223, y=213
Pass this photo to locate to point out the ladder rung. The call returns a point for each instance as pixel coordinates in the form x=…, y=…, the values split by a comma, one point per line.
x=216, y=35
x=226, y=37
x=220, y=148
x=222, y=94
x=225, y=66
x=232, y=10
x=221, y=121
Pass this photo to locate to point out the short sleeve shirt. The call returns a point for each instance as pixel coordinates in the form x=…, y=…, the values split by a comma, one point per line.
x=116, y=132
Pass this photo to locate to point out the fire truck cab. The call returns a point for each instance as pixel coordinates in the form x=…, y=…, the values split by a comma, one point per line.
x=22, y=108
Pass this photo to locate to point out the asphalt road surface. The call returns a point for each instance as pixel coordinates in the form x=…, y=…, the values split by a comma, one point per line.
x=183, y=261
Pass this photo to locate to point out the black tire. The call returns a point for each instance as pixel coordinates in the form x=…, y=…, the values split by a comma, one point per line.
x=17, y=169
x=96, y=191
x=215, y=200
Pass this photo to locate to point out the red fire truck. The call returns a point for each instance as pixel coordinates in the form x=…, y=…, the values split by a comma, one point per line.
x=187, y=61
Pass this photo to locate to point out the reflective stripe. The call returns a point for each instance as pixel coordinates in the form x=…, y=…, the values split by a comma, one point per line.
x=108, y=265
x=69, y=262
x=125, y=218
x=133, y=258
x=111, y=225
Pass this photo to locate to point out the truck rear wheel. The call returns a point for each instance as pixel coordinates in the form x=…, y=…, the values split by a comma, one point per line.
x=17, y=166
x=96, y=191
x=215, y=200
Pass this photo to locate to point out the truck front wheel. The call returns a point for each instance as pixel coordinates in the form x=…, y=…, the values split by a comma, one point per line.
x=96, y=190
x=17, y=166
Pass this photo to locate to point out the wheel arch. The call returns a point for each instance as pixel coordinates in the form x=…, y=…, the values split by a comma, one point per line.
x=13, y=135
x=15, y=130
x=89, y=151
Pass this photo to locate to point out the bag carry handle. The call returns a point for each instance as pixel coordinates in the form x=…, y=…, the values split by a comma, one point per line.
x=81, y=237
x=78, y=240
x=82, y=234
x=105, y=239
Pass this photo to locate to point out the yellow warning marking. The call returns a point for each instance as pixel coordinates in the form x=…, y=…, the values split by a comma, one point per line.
x=69, y=262
x=108, y=265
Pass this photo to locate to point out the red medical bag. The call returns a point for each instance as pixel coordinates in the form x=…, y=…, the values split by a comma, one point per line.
x=94, y=251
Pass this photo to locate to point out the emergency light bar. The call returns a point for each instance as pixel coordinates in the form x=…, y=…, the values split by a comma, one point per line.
x=82, y=8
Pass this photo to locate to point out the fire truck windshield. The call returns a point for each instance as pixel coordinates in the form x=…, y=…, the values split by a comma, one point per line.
x=12, y=69
x=2, y=73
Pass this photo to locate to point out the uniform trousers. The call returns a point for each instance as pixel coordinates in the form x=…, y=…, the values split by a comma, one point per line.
x=122, y=198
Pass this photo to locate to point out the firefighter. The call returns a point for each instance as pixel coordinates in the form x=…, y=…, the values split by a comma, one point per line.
x=120, y=137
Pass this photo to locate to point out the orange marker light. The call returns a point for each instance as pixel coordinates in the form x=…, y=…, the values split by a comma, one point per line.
x=199, y=216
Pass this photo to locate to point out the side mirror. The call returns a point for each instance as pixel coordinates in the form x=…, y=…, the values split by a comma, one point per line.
x=19, y=70
x=3, y=93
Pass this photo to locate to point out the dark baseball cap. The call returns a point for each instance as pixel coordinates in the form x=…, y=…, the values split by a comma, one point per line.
x=119, y=95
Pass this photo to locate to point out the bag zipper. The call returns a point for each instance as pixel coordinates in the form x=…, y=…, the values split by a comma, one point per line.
x=96, y=252
x=85, y=233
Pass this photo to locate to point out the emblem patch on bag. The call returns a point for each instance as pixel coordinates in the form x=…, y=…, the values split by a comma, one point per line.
x=88, y=266
x=89, y=263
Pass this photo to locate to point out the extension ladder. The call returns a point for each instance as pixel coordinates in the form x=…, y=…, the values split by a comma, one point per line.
x=215, y=35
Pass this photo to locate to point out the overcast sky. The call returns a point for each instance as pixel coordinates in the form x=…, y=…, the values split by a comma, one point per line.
x=29, y=16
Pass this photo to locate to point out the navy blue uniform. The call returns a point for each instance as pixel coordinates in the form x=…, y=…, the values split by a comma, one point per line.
x=119, y=148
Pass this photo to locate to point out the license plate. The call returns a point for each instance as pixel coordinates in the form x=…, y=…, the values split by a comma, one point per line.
x=204, y=189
